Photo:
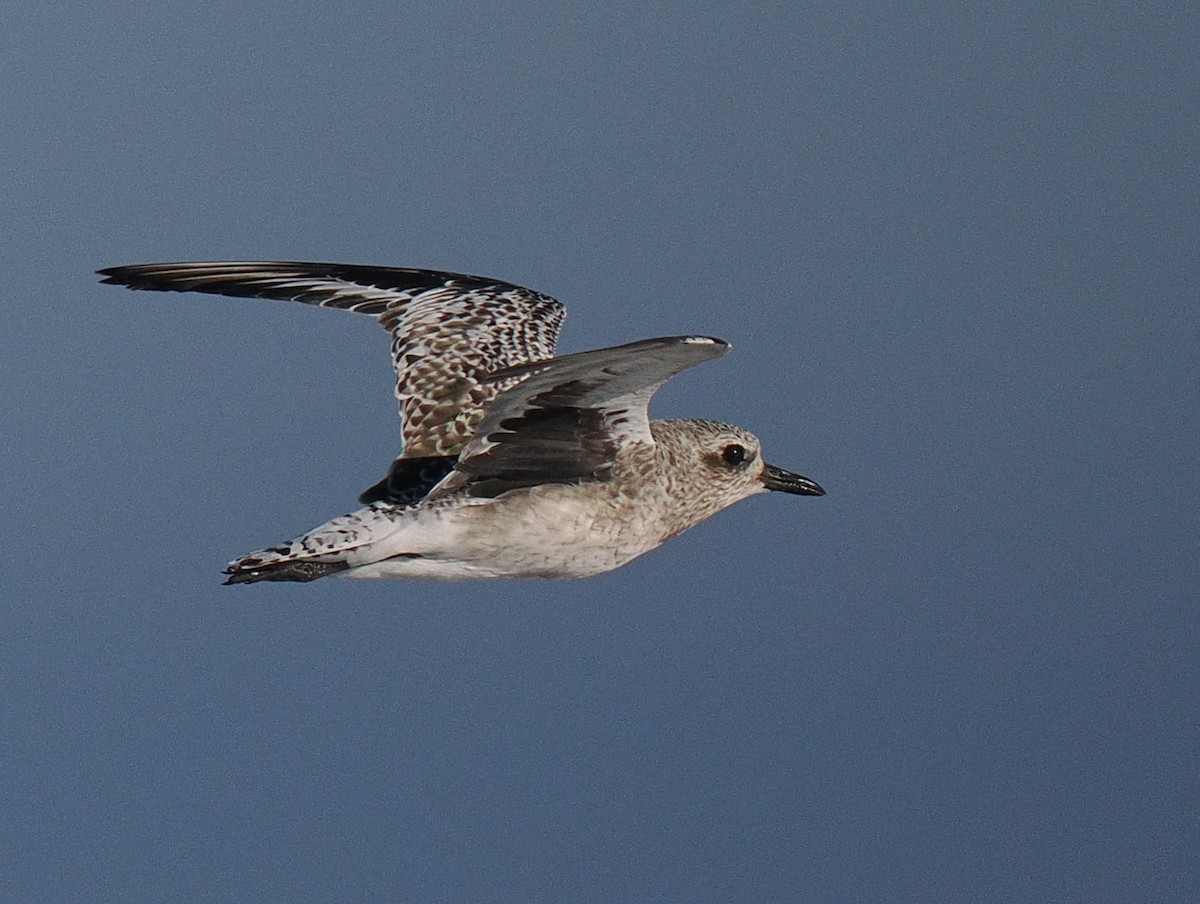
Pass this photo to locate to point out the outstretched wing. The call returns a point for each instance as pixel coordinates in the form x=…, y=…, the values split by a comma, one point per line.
x=567, y=418
x=448, y=330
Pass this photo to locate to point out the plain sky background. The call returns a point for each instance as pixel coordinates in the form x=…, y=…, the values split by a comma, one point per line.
x=955, y=247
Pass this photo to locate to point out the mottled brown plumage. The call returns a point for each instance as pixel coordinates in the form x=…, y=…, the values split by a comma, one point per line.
x=515, y=463
x=448, y=329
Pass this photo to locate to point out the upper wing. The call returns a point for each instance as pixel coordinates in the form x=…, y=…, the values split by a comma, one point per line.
x=568, y=417
x=448, y=329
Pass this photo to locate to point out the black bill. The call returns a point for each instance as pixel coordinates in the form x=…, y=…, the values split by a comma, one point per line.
x=774, y=478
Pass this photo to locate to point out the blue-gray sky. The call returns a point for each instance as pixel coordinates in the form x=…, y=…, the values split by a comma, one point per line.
x=955, y=251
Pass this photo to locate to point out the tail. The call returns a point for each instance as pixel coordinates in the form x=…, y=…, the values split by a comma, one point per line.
x=322, y=551
x=249, y=569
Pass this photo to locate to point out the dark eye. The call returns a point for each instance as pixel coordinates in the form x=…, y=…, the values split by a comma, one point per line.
x=733, y=454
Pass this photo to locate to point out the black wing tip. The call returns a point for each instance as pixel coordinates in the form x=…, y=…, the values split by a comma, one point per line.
x=166, y=274
x=113, y=275
x=140, y=276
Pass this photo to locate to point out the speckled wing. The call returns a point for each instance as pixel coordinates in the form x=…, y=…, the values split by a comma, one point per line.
x=448, y=329
x=568, y=418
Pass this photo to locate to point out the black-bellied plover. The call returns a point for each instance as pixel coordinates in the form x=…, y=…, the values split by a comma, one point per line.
x=515, y=463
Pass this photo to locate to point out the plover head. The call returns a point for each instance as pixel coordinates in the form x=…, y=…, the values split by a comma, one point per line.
x=723, y=464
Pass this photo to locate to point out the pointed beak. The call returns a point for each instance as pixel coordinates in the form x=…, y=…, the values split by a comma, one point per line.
x=774, y=478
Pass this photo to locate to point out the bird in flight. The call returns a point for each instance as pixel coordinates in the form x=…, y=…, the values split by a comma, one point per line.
x=514, y=462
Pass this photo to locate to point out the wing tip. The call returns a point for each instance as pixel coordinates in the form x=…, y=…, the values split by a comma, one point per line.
x=141, y=276
x=706, y=340
x=110, y=275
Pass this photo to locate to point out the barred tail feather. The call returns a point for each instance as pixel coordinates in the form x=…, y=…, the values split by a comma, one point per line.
x=322, y=551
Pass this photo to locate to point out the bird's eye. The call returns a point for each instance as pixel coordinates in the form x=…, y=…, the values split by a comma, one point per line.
x=734, y=454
